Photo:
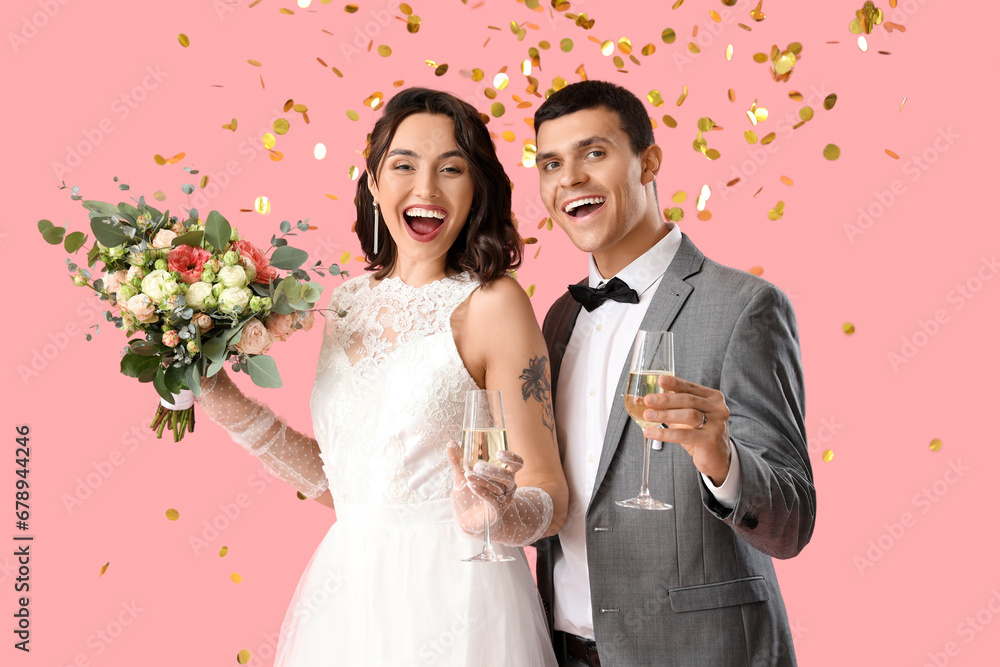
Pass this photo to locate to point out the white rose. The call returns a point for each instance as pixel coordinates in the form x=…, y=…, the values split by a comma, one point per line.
x=233, y=276
x=133, y=271
x=234, y=300
x=153, y=284
x=142, y=308
x=197, y=294
x=249, y=267
x=163, y=238
x=113, y=280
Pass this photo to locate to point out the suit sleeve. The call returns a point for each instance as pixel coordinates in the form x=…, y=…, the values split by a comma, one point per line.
x=763, y=387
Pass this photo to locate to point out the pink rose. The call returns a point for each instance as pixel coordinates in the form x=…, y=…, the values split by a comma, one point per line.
x=112, y=281
x=255, y=338
x=305, y=320
x=188, y=262
x=163, y=238
x=171, y=338
x=203, y=322
x=265, y=272
x=278, y=325
x=142, y=308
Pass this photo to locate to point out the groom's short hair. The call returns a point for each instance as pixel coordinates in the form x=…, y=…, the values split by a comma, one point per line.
x=591, y=94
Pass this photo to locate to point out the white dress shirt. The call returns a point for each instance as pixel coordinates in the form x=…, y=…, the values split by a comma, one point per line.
x=587, y=388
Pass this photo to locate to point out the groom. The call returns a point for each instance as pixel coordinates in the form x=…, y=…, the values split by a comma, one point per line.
x=694, y=585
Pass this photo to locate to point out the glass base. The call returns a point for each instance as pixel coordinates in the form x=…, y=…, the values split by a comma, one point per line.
x=644, y=504
x=487, y=557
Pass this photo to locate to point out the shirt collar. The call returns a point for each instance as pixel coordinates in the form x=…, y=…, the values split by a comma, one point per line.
x=647, y=268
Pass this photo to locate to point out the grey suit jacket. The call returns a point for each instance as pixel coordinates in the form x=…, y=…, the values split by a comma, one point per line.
x=695, y=585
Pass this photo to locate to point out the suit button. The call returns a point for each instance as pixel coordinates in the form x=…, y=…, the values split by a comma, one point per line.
x=749, y=520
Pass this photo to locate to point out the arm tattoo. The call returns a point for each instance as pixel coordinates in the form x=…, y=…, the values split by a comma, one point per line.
x=536, y=385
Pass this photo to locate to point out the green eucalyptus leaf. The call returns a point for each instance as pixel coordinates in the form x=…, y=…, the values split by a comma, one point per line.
x=160, y=384
x=74, y=241
x=100, y=207
x=133, y=365
x=108, y=233
x=192, y=238
x=287, y=257
x=217, y=230
x=174, y=378
x=263, y=371
x=54, y=235
x=44, y=224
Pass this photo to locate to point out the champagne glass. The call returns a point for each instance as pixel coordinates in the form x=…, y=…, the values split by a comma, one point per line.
x=484, y=433
x=652, y=356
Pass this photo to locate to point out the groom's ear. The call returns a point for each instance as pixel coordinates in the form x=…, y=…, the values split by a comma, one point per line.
x=652, y=158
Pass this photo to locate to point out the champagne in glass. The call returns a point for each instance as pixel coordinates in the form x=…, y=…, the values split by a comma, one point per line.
x=652, y=356
x=484, y=433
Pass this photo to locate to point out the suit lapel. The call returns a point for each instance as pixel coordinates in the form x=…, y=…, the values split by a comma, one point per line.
x=667, y=302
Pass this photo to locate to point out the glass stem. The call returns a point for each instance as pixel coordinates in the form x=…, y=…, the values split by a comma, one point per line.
x=487, y=542
x=644, y=489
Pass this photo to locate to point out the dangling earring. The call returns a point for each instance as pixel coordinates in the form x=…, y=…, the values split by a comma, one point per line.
x=375, y=243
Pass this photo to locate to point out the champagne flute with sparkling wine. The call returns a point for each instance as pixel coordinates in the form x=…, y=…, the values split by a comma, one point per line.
x=484, y=433
x=652, y=356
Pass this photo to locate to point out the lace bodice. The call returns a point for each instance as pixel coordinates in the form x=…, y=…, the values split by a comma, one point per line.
x=390, y=389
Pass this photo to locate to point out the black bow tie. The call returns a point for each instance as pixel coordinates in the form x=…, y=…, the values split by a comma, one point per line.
x=615, y=289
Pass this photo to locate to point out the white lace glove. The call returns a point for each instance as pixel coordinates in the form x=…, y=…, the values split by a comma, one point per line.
x=519, y=516
x=292, y=456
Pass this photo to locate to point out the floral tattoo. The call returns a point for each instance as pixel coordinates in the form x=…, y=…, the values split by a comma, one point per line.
x=536, y=385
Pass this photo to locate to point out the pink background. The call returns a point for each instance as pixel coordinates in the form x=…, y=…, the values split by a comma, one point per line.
x=891, y=576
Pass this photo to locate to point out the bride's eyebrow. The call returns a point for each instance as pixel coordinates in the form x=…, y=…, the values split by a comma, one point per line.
x=408, y=153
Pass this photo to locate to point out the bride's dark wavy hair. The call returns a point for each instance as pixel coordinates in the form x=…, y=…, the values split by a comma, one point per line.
x=488, y=245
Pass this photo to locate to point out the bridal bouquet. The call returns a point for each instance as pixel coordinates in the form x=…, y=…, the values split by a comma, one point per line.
x=198, y=292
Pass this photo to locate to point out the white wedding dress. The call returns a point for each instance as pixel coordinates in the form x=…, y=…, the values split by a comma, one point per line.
x=387, y=585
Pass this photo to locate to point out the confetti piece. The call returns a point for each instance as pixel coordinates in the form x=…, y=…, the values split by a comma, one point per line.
x=776, y=212
x=757, y=270
x=104, y=568
x=236, y=577
x=831, y=151
x=353, y=172
x=757, y=14
x=848, y=328
x=935, y=445
x=497, y=109
x=255, y=63
x=230, y=126
x=862, y=43
x=352, y=114
x=891, y=154
x=500, y=81
x=669, y=121
x=829, y=101
x=159, y=195
x=223, y=551
x=704, y=215
x=243, y=657
x=333, y=197
x=440, y=70
x=654, y=98
x=786, y=180
x=183, y=39
x=806, y=113
x=280, y=126
x=384, y=50
x=902, y=103
x=750, y=136
x=679, y=197
x=675, y=214
x=607, y=48
x=262, y=205
x=729, y=54
x=530, y=290
x=795, y=95
x=828, y=455
x=684, y=94
x=706, y=192
x=350, y=9
x=173, y=514
x=668, y=35
x=508, y=135
x=413, y=24
x=269, y=140
x=319, y=151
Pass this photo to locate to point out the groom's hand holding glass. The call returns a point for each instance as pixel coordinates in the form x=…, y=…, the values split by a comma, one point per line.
x=697, y=419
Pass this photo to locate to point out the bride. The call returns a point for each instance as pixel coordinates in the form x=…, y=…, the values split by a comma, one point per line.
x=435, y=318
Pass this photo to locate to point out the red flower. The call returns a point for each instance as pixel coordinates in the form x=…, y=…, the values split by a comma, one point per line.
x=265, y=272
x=188, y=261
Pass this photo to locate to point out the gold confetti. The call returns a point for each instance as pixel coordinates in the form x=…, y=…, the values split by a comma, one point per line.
x=891, y=154
x=729, y=54
x=625, y=45
x=104, y=568
x=806, y=113
x=680, y=100
x=530, y=290
x=936, y=445
x=352, y=114
x=750, y=136
x=675, y=214
x=704, y=215
x=677, y=4
x=350, y=9
x=795, y=95
x=345, y=257
x=715, y=16
x=654, y=98
x=776, y=212
x=406, y=9
x=497, y=109
x=786, y=180
x=230, y=126
x=831, y=151
x=828, y=455
x=508, y=135
x=255, y=63
x=848, y=328
x=440, y=70
x=732, y=95
x=768, y=139
x=669, y=121
x=566, y=44
x=337, y=72
x=413, y=24
x=760, y=57
x=159, y=195
x=902, y=103
x=706, y=192
x=384, y=50
x=183, y=39
x=223, y=551
x=500, y=81
x=607, y=47
x=319, y=151
x=757, y=14
x=243, y=657
x=862, y=43
x=528, y=155
x=679, y=197
x=829, y=101
x=173, y=514
x=713, y=154
x=757, y=270
x=648, y=50
x=262, y=205
x=269, y=140
x=668, y=35
x=694, y=48
x=236, y=577
x=353, y=172
x=280, y=126
x=204, y=182
x=705, y=124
